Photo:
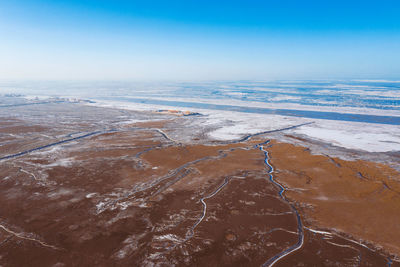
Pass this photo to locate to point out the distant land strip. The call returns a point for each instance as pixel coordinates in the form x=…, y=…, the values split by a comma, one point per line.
x=326, y=115
x=31, y=103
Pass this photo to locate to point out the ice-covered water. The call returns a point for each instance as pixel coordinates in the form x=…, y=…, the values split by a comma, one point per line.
x=375, y=94
x=359, y=114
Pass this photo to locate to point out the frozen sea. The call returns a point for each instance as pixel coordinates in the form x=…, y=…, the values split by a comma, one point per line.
x=356, y=114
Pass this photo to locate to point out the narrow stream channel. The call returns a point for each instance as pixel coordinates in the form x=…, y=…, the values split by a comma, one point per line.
x=299, y=244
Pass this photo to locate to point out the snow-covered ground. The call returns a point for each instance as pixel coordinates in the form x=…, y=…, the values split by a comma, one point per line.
x=354, y=135
x=230, y=125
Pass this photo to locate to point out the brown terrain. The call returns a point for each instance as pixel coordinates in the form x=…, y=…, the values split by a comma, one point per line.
x=132, y=195
x=359, y=198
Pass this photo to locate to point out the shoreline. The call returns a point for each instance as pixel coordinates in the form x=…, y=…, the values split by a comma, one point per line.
x=376, y=137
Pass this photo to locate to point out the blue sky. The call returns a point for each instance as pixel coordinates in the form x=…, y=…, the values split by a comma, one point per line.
x=199, y=40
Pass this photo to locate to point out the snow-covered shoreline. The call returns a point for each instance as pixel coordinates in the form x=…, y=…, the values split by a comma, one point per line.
x=230, y=125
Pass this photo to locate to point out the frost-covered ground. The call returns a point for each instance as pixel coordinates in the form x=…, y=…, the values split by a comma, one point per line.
x=231, y=125
x=354, y=135
x=365, y=97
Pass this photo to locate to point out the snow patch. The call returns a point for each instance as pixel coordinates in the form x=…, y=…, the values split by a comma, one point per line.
x=353, y=135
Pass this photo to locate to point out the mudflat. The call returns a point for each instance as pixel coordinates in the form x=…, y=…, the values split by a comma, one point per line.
x=135, y=193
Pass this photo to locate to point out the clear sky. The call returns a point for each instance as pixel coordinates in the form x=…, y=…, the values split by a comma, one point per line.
x=199, y=40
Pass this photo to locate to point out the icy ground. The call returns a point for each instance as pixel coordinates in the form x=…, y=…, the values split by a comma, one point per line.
x=229, y=125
